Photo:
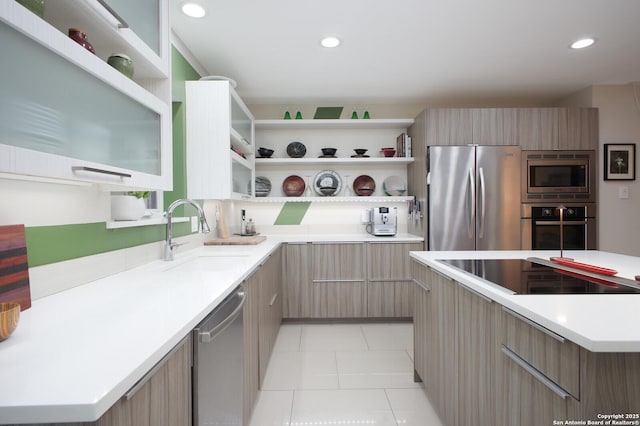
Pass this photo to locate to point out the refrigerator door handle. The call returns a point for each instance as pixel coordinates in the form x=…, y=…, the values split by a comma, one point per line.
x=472, y=212
x=483, y=200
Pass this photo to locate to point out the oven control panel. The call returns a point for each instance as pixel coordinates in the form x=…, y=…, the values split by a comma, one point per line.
x=553, y=212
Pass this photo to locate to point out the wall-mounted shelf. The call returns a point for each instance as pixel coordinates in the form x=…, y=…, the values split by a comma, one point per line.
x=265, y=162
x=337, y=199
x=386, y=123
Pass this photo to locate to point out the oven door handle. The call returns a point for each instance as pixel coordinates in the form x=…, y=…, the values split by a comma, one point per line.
x=557, y=222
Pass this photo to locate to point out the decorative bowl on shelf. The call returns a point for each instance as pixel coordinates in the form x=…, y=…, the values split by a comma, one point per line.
x=122, y=63
x=9, y=317
x=388, y=152
x=364, y=185
x=263, y=186
x=329, y=152
x=293, y=186
x=360, y=151
x=327, y=182
x=296, y=150
x=394, y=186
x=265, y=152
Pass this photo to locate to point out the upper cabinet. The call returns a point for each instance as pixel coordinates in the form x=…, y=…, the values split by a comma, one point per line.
x=220, y=148
x=67, y=114
x=530, y=128
x=345, y=135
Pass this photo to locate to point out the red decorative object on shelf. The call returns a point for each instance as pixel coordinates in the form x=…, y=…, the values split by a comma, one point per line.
x=80, y=37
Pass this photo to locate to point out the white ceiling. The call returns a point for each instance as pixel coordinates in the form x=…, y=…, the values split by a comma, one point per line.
x=414, y=51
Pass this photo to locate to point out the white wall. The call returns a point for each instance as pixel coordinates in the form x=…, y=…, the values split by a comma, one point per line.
x=619, y=123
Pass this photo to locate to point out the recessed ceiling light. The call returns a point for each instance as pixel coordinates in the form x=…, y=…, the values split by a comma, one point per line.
x=330, y=42
x=582, y=43
x=193, y=10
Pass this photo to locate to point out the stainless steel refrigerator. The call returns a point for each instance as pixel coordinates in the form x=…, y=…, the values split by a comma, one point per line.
x=473, y=197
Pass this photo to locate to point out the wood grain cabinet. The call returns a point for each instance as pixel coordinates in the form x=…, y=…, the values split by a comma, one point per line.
x=270, y=311
x=435, y=344
x=339, y=280
x=484, y=364
x=251, y=362
x=161, y=398
x=389, y=283
x=296, y=266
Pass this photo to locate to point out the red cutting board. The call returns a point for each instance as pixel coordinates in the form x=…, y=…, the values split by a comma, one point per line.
x=14, y=269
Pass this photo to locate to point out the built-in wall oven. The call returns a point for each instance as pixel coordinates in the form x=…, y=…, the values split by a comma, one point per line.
x=540, y=225
x=554, y=182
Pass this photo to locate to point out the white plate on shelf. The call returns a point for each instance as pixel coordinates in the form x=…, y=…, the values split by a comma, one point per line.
x=327, y=183
x=394, y=186
x=219, y=78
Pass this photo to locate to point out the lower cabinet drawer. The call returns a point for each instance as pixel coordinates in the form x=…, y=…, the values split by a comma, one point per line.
x=549, y=353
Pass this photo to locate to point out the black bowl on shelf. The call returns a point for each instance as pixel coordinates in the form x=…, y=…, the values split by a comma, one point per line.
x=329, y=151
x=296, y=149
x=265, y=152
x=360, y=151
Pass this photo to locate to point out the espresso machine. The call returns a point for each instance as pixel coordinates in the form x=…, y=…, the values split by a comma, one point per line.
x=383, y=221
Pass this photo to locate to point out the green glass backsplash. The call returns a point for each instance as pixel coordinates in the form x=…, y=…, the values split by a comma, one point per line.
x=50, y=244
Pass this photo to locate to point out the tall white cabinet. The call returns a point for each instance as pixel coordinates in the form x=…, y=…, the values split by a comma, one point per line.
x=67, y=114
x=220, y=148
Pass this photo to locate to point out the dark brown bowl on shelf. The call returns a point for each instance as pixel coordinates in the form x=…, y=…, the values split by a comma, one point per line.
x=364, y=185
x=293, y=186
x=329, y=151
x=360, y=151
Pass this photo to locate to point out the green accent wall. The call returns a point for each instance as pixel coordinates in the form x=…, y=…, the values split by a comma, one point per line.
x=50, y=244
x=292, y=213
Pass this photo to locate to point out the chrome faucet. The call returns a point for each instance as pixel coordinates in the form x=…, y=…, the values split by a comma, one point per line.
x=169, y=245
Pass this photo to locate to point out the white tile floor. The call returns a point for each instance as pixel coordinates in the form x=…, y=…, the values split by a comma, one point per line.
x=343, y=374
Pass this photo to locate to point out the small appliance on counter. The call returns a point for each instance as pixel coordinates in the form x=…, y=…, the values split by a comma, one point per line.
x=382, y=221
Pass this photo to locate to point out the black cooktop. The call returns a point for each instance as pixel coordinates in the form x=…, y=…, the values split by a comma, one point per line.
x=525, y=277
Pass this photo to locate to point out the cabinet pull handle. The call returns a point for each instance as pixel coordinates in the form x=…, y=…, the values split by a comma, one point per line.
x=274, y=298
x=143, y=381
x=534, y=324
x=535, y=373
x=123, y=23
x=422, y=285
x=338, y=281
x=101, y=171
x=448, y=278
x=472, y=291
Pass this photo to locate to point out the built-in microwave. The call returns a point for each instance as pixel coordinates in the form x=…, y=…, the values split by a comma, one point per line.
x=558, y=175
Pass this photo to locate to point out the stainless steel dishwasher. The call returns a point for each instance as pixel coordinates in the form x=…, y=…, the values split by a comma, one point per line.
x=217, y=364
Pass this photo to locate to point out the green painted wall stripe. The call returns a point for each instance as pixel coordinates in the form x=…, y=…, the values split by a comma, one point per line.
x=292, y=213
x=49, y=244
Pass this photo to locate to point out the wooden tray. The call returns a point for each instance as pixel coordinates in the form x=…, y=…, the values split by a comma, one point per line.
x=236, y=241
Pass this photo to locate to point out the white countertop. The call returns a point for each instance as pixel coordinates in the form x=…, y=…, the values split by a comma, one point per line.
x=75, y=353
x=599, y=323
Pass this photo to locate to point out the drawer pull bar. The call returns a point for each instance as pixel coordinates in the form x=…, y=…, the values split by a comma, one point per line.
x=472, y=291
x=274, y=298
x=535, y=373
x=534, y=325
x=442, y=274
x=338, y=281
x=102, y=171
x=422, y=285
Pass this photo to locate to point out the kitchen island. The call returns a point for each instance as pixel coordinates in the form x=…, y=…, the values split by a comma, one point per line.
x=488, y=356
x=77, y=352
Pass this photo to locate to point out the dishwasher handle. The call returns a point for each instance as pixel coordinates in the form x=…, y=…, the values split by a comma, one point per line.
x=207, y=336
